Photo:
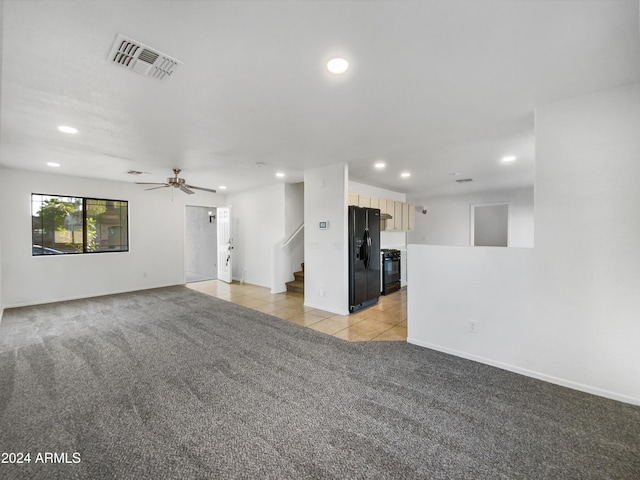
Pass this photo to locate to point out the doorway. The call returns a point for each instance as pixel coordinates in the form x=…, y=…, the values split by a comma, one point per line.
x=490, y=225
x=201, y=248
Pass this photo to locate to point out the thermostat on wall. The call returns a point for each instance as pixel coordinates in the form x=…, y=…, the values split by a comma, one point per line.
x=323, y=225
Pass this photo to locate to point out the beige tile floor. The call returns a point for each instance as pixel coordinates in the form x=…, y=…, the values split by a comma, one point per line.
x=387, y=320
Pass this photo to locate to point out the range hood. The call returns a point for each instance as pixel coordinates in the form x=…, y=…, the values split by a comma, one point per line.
x=385, y=216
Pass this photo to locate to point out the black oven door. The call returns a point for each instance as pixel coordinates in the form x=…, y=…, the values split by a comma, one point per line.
x=390, y=273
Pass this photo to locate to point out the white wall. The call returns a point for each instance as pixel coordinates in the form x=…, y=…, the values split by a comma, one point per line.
x=447, y=221
x=1, y=169
x=325, y=252
x=294, y=217
x=387, y=239
x=1, y=223
x=258, y=223
x=567, y=310
x=156, y=237
x=294, y=207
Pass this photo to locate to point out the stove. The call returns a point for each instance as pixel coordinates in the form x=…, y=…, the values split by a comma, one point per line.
x=389, y=270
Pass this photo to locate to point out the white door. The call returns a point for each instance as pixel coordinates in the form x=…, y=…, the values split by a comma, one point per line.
x=225, y=243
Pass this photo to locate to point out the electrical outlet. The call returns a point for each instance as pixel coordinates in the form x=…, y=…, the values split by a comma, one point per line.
x=473, y=326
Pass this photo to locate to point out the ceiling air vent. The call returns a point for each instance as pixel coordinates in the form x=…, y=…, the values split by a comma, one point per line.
x=464, y=180
x=142, y=59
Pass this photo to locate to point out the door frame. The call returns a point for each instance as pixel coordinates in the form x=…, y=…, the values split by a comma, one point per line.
x=225, y=247
x=186, y=239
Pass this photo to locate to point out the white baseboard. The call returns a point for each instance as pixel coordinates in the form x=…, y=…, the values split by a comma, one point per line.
x=81, y=297
x=324, y=308
x=530, y=373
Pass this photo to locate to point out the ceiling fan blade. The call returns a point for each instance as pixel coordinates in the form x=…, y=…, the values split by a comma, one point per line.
x=186, y=190
x=154, y=188
x=200, y=188
x=150, y=183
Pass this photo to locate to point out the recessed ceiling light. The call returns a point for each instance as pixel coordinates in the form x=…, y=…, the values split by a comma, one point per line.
x=455, y=174
x=379, y=165
x=337, y=66
x=405, y=174
x=279, y=174
x=509, y=158
x=53, y=164
x=67, y=129
x=222, y=187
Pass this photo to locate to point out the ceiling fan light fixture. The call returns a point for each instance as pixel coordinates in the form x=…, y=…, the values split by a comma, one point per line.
x=176, y=182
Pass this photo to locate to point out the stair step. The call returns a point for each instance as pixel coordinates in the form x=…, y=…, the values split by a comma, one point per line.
x=295, y=286
x=299, y=276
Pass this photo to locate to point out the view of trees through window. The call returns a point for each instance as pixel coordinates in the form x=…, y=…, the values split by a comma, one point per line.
x=68, y=225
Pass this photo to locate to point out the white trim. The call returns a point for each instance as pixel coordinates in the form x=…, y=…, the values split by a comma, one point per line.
x=93, y=295
x=324, y=308
x=530, y=373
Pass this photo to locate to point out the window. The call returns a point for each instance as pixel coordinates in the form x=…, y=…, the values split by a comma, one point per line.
x=69, y=225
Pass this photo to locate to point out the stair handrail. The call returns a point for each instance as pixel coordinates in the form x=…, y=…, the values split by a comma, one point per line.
x=293, y=235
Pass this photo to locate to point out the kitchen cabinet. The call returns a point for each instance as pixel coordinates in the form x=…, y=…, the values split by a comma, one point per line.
x=382, y=205
x=403, y=213
x=412, y=218
x=397, y=208
x=391, y=224
x=364, y=201
x=408, y=217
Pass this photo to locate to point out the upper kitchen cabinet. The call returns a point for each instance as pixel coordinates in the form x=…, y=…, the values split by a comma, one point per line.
x=408, y=217
x=403, y=214
x=364, y=201
x=397, y=216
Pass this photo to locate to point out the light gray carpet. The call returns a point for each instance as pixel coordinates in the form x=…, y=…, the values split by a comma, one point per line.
x=174, y=384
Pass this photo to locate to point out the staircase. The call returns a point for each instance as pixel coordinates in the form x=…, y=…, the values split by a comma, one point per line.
x=297, y=285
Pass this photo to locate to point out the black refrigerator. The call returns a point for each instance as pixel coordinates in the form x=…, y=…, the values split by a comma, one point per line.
x=364, y=257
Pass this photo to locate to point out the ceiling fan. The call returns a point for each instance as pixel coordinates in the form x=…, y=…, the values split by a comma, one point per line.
x=176, y=183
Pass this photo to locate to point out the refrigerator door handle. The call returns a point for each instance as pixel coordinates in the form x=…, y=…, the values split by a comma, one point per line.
x=365, y=245
x=368, y=249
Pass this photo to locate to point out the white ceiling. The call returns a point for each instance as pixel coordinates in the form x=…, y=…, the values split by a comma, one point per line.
x=435, y=87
